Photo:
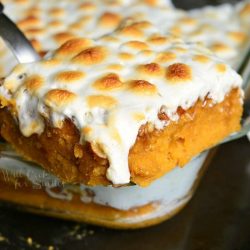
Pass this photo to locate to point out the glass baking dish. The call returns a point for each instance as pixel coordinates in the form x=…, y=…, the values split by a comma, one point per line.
x=126, y=207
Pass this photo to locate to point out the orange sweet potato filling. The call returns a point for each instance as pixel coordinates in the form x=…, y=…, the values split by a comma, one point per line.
x=154, y=154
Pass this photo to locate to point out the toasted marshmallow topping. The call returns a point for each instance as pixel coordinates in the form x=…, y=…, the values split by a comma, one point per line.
x=109, y=90
x=48, y=24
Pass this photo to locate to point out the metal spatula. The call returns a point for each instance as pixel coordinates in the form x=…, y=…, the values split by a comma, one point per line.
x=15, y=40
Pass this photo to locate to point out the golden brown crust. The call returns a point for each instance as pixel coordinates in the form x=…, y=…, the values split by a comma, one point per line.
x=91, y=56
x=58, y=97
x=166, y=57
x=108, y=82
x=179, y=72
x=101, y=101
x=72, y=47
x=154, y=154
x=34, y=82
x=68, y=77
x=109, y=19
x=143, y=87
x=201, y=58
x=150, y=69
